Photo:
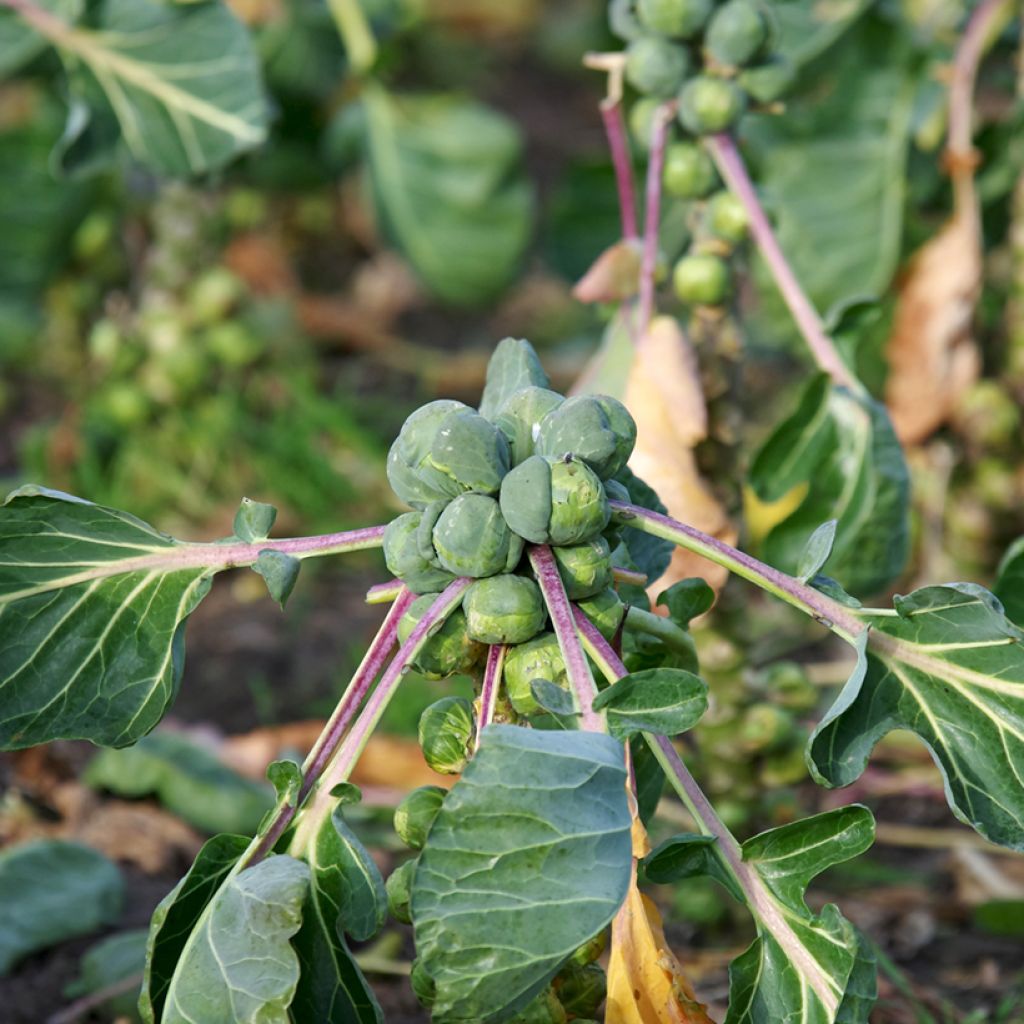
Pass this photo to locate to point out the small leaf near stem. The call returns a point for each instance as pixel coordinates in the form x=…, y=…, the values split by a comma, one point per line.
x=652, y=214
x=489, y=689
x=582, y=682
x=384, y=593
x=734, y=173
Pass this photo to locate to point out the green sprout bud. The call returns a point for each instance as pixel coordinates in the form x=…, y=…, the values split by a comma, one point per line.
x=425, y=532
x=689, y=172
x=702, y=280
x=404, y=560
x=787, y=684
x=737, y=32
x=656, y=67
x=678, y=18
x=592, y=949
x=448, y=650
x=416, y=813
x=470, y=451
x=554, y=501
x=581, y=989
x=709, y=105
x=545, y=1009
x=424, y=987
x=504, y=609
x=586, y=569
x=445, y=733
x=471, y=538
x=622, y=20
x=727, y=217
x=410, y=451
x=770, y=81
x=764, y=727
x=641, y=121
x=520, y=417
x=595, y=428
x=399, y=891
x=605, y=611
x=540, y=658
x=784, y=768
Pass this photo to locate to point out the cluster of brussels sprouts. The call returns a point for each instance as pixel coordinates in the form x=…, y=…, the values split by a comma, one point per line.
x=713, y=59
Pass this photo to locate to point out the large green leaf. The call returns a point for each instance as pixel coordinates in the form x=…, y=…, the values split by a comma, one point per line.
x=948, y=665
x=93, y=604
x=806, y=28
x=50, y=891
x=179, y=84
x=177, y=915
x=1009, y=586
x=664, y=701
x=19, y=41
x=237, y=965
x=188, y=780
x=528, y=858
x=842, y=446
x=346, y=894
x=447, y=180
x=801, y=965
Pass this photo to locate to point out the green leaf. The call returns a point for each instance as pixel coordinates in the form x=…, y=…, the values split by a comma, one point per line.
x=1009, y=587
x=528, y=858
x=51, y=891
x=279, y=572
x=447, y=178
x=817, y=550
x=254, y=520
x=552, y=697
x=180, y=81
x=861, y=986
x=663, y=701
x=93, y=604
x=118, y=959
x=513, y=365
x=649, y=554
x=237, y=964
x=687, y=599
x=186, y=778
x=177, y=915
x=650, y=778
x=20, y=42
x=948, y=665
x=346, y=895
x=842, y=446
x=286, y=778
x=686, y=856
x=806, y=28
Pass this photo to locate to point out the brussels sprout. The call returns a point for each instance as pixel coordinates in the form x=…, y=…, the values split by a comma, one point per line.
x=581, y=989
x=424, y=988
x=554, y=501
x=787, y=683
x=784, y=768
x=448, y=650
x=701, y=279
x=470, y=451
x=689, y=172
x=656, y=67
x=708, y=105
x=425, y=532
x=416, y=813
x=445, y=733
x=403, y=558
x=680, y=18
x=504, y=609
x=737, y=31
x=471, y=538
x=399, y=891
x=764, y=727
x=545, y=1009
x=769, y=81
x=605, y=611
x=727, y=217
x=595, y=428
x=641, y=120
x=592, y=949
x=586, y=569
x=513, y=365
x=520, y=417
x=622, y=20
x=412, y=448
x=540, y=658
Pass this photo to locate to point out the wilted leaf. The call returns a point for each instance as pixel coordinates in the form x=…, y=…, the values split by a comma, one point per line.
x=52, y=891
x=497, y=911
x=663, y=392
x=948, y=665
x=613, y=277
x=447, y=178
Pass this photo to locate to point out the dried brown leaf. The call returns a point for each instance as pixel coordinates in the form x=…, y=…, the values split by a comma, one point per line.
x=614, y=276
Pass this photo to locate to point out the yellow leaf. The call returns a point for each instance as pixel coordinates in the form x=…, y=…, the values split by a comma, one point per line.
x=761, y=517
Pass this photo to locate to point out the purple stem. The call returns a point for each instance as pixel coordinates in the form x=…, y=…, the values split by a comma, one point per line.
x=384, y=593
x=372, y=664
x=652, y=213
x=631, y=576
x=490, y=687
x=546, y=570
x=734, y=173
x=810, y=601
x=618, y=143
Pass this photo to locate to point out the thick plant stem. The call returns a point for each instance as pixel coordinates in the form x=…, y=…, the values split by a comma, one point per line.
x=652, y=214
x=489, y=688
x=734, y=173
x=618, y=144
x=369, y=668
x=582, y=682
x=841, y=620
x=674, y=638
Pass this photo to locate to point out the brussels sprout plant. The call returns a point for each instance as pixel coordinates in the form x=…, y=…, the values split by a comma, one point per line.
x=525, y=562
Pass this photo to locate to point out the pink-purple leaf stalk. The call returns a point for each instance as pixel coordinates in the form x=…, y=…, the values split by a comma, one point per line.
x=618, y=145
x=489, y=688
x=652, y=214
